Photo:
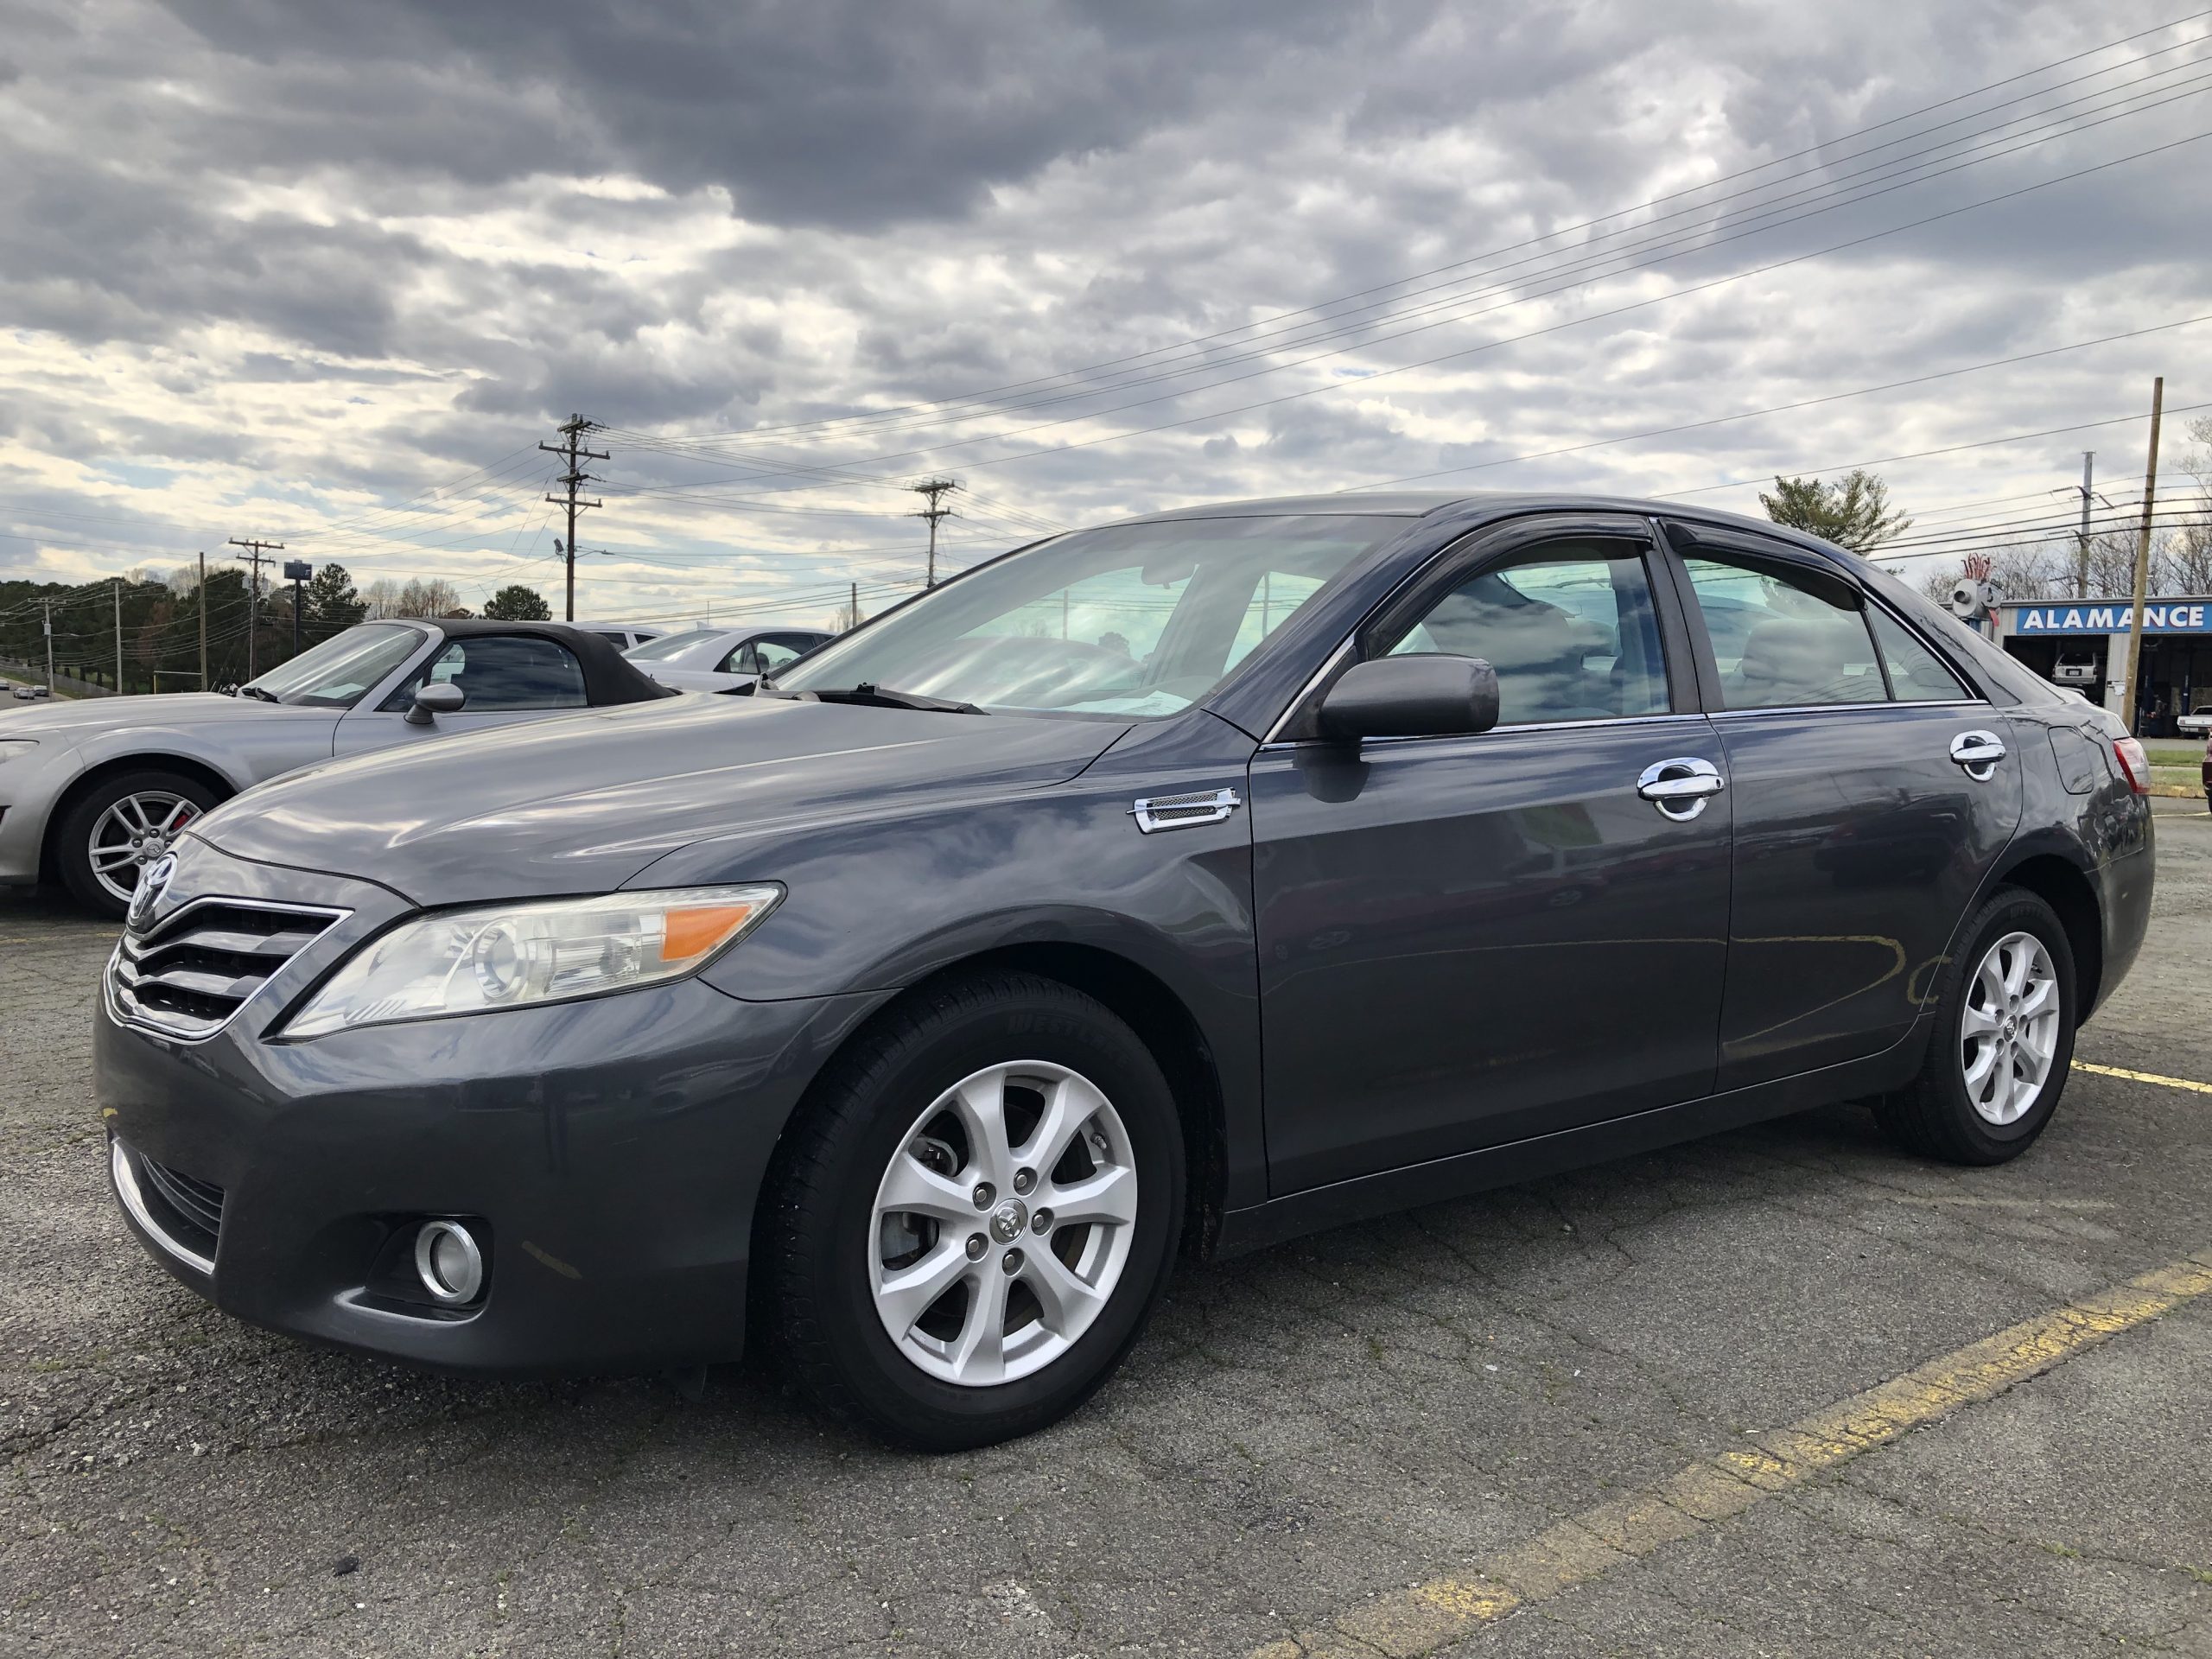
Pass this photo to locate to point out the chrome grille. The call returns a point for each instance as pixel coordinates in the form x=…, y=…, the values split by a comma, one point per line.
x=191, y=972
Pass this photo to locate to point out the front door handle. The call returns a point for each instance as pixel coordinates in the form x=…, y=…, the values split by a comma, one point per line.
x=1680, y=787
x=1979, y=754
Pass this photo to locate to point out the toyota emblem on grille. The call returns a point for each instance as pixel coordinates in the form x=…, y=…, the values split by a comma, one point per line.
x=155, y=877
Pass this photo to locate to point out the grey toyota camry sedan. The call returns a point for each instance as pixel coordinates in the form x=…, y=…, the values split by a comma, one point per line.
x=1186, y=884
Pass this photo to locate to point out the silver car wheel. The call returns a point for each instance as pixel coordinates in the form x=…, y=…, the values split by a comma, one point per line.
x=2008, y=1031
x=131, y=834
x=1002, y=1226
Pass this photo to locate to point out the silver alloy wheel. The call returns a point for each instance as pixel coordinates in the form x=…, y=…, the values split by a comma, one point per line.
x=131, y=834
x=990, y=1256
x=2008, y=1032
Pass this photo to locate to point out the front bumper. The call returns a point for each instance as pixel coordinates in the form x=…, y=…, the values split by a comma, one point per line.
x=610, y=1152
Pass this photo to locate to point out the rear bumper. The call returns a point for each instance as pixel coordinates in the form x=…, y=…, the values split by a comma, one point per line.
x=609, y=1153
x=2128, y=882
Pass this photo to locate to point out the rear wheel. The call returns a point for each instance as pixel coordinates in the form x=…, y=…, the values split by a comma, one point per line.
x=2003, y=1040
x=109, y=836
x=975, y=1215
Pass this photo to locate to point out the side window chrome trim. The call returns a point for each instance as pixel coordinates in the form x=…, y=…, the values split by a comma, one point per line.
x=1676, y=718
x=1843, y=707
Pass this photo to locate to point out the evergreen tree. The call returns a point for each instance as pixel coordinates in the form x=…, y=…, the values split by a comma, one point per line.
x=332, y=605
x=515, y=603
x=1854, y=512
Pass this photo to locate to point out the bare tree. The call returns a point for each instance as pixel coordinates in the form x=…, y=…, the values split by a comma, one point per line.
x=380, y=599
x=434, y=596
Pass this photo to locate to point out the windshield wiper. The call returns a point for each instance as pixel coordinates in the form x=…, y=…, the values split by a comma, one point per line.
x=882, y=696
x=257, y=691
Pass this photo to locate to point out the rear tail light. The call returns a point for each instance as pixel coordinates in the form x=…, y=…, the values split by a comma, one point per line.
x=2134, y=765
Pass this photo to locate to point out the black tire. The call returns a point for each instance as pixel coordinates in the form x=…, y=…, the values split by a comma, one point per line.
x=1933, y=1115
x=73, y=831
x=818, y=1224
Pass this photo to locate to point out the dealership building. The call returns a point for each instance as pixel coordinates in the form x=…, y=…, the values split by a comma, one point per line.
x=2084, y=645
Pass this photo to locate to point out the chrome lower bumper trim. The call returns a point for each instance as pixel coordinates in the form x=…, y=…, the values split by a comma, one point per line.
x=126, y=1188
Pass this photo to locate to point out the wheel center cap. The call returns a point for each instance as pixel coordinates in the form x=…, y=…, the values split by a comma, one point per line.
x=1009, y=1221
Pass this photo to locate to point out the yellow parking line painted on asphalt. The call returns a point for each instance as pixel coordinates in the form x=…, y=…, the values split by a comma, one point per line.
x=1592, y=1544
x=2144, y=1077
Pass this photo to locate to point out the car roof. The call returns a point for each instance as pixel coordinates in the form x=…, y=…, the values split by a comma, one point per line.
x=1419, y=504
x=609, y=677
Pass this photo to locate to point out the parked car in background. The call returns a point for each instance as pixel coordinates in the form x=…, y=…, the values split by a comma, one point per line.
x=31, y=693
x=2197, y=722
x=1203, y=880
x=724, y=659
x=2075, y=665
x=2204, y=772
x=93, y=792
x=624, y=636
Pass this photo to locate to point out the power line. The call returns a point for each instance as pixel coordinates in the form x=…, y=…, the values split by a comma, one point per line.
x=1588, y=224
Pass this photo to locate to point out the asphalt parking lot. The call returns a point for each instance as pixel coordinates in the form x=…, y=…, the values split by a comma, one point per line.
x=1612, y=1412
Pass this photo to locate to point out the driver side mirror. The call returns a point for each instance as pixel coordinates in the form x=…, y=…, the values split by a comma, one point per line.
x=433, y=698
x=1411, y=696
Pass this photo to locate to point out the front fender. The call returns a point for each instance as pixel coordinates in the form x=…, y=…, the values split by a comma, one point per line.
x=877, y=904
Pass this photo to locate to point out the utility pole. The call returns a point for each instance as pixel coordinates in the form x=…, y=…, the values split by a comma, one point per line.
x=570, y=449
x=118, y=636
x=257, y=553
x=853, y=611
x=933, y=488
x=295, y=572
x=49, y=646
x=2082, y=562
x=2143, y=559
x=203, y=621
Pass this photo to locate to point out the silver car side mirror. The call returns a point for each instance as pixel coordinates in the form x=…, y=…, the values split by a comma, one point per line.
x=433, y=699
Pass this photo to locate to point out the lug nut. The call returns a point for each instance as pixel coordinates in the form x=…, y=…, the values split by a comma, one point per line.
x=977, y=1247
x=1014, y=1260
x=984, y=1193
x=1042, y=1221
x=1024, y=1179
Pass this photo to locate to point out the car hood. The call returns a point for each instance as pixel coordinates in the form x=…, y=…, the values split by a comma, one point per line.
x=167, y=712
x=583, y=804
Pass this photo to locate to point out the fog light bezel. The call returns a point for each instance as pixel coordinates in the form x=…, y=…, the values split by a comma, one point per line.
x=426, y=1273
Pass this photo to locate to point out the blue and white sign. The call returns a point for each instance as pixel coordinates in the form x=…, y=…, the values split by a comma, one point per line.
x=2160, y=616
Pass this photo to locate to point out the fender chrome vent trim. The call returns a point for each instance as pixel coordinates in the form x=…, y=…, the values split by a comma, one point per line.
x=1184, y=811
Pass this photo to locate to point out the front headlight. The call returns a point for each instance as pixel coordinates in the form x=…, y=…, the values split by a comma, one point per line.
x=511, y=955
x=14, y=748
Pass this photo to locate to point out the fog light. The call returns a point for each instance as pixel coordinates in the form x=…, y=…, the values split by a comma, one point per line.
x=447, y=1262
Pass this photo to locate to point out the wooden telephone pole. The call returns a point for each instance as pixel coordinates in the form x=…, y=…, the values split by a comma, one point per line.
x=2143, y=560
x=256, y=555
x=570, y=449
x=933, y=488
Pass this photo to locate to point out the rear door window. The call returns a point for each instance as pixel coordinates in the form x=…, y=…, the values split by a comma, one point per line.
x=1782, y=640
x=1916, y=674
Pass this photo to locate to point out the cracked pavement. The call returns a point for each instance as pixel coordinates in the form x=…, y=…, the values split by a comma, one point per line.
x=1302, y=1430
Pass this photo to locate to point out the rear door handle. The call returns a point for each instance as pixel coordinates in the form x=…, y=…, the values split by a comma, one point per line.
x=1680, y=787
x=1979, y=754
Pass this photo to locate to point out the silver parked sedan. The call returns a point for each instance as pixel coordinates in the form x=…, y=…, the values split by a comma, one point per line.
x=92, y=792
x=723, y=659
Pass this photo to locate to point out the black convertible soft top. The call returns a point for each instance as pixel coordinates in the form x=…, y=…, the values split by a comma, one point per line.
x=609, y=677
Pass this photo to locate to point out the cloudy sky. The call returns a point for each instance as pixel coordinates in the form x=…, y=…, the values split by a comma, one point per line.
x=330, y=273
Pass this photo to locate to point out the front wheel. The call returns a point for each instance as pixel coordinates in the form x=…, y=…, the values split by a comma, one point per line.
x=974, y=1216
x=2003, y=1040
x=111, y=835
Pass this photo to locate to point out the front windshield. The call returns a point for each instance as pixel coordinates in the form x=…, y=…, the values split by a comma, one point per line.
x=336, y=673
x=1140, y=620
x=668, y=645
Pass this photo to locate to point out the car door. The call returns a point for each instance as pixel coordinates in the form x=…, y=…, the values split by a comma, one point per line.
x=1468, y=940
x=1873, y=793
x=508, y=679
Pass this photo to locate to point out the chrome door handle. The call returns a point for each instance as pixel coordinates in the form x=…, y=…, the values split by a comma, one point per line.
x=1680, y=787
x=1979, y=754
